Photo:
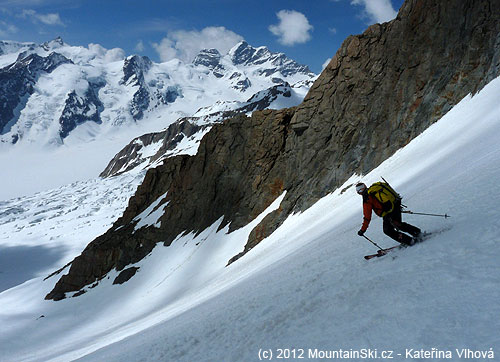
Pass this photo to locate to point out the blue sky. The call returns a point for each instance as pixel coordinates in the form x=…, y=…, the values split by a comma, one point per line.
x=307, y=31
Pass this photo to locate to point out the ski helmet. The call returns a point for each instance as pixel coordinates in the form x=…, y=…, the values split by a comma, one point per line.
x=360, y=187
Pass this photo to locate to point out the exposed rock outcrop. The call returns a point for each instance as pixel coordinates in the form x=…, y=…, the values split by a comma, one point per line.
x=209, y=58
x=387, y=85
x=17, y=84
x=131, y=156
x=134, y=69
x=233, y=176
x=81, y=109
x=379, y=91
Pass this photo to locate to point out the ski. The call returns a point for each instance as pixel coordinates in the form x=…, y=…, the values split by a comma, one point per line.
x=424, y=236
x=381, y=252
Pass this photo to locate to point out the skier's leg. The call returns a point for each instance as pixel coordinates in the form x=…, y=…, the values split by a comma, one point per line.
x=396, y=218
x=408, y=228
x=391, y=231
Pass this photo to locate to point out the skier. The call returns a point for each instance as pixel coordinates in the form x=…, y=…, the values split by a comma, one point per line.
x=386, y=204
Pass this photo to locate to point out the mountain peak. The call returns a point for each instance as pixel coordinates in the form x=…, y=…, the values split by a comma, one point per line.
x=245, y=54
x=210, y=52
x=58, y=40
x=208, y=57
x=144, y=87
x=53, y=44
x=242, y=52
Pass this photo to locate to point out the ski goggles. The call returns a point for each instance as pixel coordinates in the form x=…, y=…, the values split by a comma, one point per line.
x=360, y=188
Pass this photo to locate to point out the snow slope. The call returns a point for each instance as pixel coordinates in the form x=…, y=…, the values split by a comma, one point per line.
x=42, y=232
x=307, y=286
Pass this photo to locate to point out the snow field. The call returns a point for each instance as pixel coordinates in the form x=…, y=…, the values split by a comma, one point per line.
x=307, y=286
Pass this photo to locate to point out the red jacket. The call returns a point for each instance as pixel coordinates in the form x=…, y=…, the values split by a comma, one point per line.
x=370, y=203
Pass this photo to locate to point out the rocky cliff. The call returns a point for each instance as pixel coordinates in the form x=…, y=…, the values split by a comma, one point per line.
x=380, y=90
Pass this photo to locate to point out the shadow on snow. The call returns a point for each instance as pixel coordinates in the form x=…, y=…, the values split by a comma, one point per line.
x=21, y=263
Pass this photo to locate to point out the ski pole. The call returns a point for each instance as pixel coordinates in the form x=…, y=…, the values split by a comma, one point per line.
x=383, y=179
x=423, y=213
x=374, y=243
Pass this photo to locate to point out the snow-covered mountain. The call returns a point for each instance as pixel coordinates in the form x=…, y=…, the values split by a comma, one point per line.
x=306, y=287
x=51, y=89
x=80, y=99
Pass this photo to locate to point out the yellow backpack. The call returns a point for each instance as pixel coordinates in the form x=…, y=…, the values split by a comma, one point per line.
x=386, y=195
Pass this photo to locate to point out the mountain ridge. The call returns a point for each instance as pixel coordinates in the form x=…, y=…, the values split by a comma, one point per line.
x=126, y=90
x=190, y=130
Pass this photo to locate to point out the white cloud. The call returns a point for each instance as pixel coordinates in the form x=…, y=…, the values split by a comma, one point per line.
x=166, y=49
x=377, y=11
x=139, y=47
x=114, y=55
x=185, y=45
x=293, y=28
x=109, y=56
x=48, y=19
x=7, y=29
x=97, y=49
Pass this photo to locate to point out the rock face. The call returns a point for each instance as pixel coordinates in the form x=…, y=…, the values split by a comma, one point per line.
x=134, y=68
x=387, y=85
x=79, y=110
x=133, y=156
x=379, y=91
x=210, y=58
x=234, y=175
x=17, y=82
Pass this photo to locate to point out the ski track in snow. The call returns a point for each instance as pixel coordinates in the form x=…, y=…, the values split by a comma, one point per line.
x=307, y=285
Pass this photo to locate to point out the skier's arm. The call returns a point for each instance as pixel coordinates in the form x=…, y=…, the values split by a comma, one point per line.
x=367, y=215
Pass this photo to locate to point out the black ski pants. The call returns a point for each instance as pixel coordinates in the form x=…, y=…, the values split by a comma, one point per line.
x=395, y=228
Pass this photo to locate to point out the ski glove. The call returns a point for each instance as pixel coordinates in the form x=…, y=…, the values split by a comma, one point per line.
x=361, y=232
